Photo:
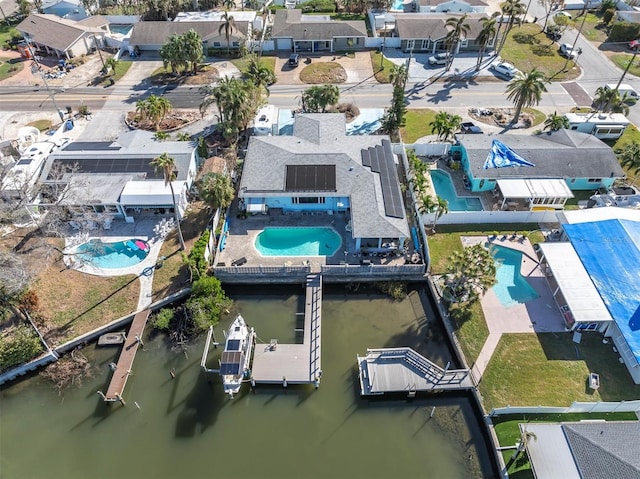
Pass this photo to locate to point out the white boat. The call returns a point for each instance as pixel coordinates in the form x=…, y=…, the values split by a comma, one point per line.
x=236, y=357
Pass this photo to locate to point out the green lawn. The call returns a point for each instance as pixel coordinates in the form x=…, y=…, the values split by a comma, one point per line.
x=121, y=70
x=9, y=69
x=550, y=369
x=594, y=29
x=631, y=134
x=242, y=63
x=527, y=48
x=622, y=61
x=7, y=32
x=417, y=124
x=382, y=76
x=572, y=203
x=472, y=332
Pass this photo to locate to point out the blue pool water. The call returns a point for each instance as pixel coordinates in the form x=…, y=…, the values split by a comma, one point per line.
x=444, y=189
x=397, y=6
x=298, y=242
x=123, y=29
x=113, y=255
x=511, y=288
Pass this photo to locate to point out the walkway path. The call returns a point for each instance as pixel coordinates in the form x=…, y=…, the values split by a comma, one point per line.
x=485, y=355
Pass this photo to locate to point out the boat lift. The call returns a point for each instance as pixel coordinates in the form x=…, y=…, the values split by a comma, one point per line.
x=205, y=353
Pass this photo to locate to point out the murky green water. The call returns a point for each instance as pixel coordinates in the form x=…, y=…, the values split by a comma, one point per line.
x=186, y=428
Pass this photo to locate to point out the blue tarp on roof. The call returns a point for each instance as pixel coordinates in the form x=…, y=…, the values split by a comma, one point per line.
x=501, y=156
x=610, y=252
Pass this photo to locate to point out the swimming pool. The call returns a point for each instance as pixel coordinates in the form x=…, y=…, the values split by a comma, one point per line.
x=398, y=6
x=444, y=188
x=122, y=29
x=511, y=288
x=319, y=241
x=113, y=255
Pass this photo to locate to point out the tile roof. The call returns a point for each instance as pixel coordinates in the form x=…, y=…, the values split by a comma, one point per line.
x=433, y=25
x=53, y=31
x=320, y=139
x=605, y=449
x=290, y=23
x=157, y=33
x=558, y=154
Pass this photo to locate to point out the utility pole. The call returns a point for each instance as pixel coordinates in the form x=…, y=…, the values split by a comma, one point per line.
x=95, y=44
x=635, y=53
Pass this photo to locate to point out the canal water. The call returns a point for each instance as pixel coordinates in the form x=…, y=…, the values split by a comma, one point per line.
x=186, y=428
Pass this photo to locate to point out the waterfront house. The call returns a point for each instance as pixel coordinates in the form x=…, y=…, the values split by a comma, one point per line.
x=117, y=178
x=426, y=32
x=321, y=170
x=581, y=160
x=294, y=32
x=449, y=6
x=594, y=276
x=579, y=450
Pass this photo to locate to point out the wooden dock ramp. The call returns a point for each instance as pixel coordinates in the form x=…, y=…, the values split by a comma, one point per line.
x=127, y=355
x=276, y=363
x=393, y=370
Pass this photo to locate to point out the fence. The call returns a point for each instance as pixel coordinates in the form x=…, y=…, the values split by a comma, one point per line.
x=478, y=217
x=210, y=250
x=576, y=407
x=373, y=270
x=429, y=149
x=250, y=270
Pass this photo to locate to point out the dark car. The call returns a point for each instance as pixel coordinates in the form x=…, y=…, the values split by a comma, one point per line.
x=553, y=32
x=470, y=127
x=294, y=60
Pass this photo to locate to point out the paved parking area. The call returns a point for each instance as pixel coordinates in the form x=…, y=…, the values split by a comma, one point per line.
x=358, y=68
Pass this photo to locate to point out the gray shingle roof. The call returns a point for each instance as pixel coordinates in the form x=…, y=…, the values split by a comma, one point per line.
x=434, y=3
x=157, y=33
x=290, y=23
x=320, y=139
x=53, y=31
x=433, y=25
x=559, y=154
x=96, y=21
x=603, y=450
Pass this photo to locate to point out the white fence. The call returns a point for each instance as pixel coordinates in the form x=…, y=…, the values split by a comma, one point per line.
x=479, y=217
x=429, y=149
x=259, y=270
x=210, y=250
x=373, y=270
x=576, y=407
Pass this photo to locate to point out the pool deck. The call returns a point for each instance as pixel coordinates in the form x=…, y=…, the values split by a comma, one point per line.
x=242, y=234
x=540, y=315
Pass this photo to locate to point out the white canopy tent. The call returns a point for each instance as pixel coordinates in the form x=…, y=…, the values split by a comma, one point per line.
x=546, y=193
x=580, y=294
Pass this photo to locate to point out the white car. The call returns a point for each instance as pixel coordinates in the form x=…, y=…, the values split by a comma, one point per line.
x=504, y=69
x=563, y=14
x=567, y=51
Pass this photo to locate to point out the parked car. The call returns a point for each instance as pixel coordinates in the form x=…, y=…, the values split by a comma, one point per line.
x=439, y=59
x=553, y=32
x=634, y=44
x=567, y=51
x=626, y=92
x=504, y=70
x=294, y=60
x=470, y=128
x=563, y=14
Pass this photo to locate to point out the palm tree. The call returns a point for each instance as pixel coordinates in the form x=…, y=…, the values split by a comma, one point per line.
x=173, y=55
x=445, y=125
x=629, y=157
x=112, y=64
x=604, y=97
x=193, y=51
x=167, y=165
x=555, y=122
x=216, y=190
x=228, y=26
x=469, y=274
x=154, y=108
x=514, y=9
x=487, y=33
x=459, y=30
x=259, y=74
x=526, y=90
x=438, y=205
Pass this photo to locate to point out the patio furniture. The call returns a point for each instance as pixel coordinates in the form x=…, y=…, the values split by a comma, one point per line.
x=239, y=261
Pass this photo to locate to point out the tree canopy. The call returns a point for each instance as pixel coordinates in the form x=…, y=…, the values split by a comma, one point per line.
x=526, y=90
x=318, y=98
x=183, y=53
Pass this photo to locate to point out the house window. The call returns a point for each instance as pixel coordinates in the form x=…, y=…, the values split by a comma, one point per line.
x=235, y=44
x=217, y=44
x=308, y=200
x=464, y=43
x=594, y=180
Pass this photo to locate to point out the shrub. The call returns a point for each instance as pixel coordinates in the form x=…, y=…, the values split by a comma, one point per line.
x=608, y=15
x=163, y=318
x=207, y=303
x=395, y=289
x=18, y=345
x=624, y=32
x=318, y=6
x=196, y=260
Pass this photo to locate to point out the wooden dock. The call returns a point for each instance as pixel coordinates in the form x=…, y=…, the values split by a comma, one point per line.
x=127, y=355
x=394, y=370
x=276, y=363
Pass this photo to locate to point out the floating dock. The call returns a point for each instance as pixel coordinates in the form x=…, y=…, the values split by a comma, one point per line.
x=393, y=370
x=123, y=370
x=276, y=363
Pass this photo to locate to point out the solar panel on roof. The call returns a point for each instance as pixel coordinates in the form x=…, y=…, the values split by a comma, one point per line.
x=366, y=158
x=382, y=162
x=310, y=178
x=91, y=146
x=112, y=165
x=231, y=362
x=233, y=345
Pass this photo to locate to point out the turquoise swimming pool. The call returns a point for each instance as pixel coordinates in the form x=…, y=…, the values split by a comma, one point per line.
x=317, y=241
x=444, y=188
x=121, y=254
x=511, y=288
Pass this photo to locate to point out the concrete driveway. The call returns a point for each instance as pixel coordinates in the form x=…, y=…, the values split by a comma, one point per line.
x=358, y=68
